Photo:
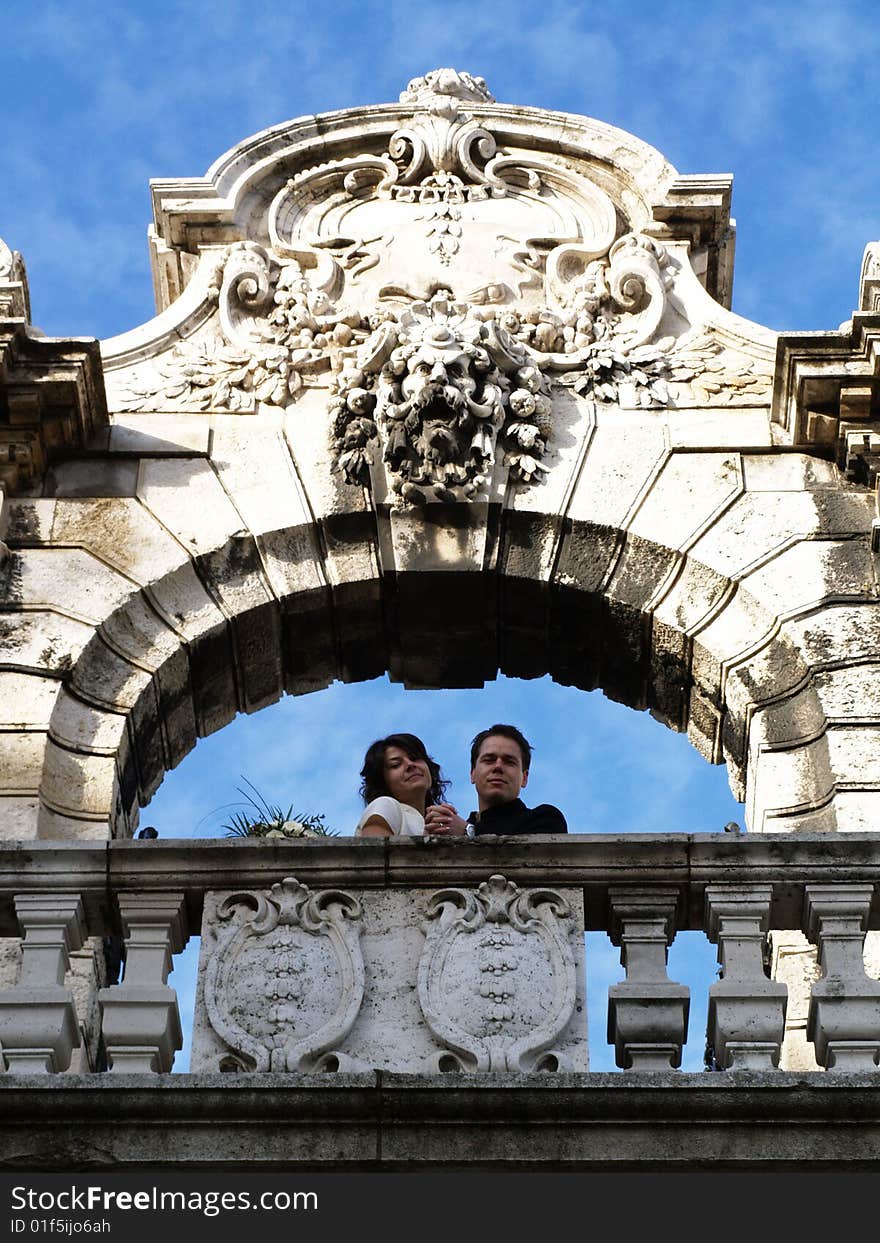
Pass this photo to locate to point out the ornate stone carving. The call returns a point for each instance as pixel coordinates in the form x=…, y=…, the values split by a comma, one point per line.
x=276, y=330
x=448, y=83
x=697, y=369
x=869, y=279
x=286, y=980
x=14, y=296
x=437, y=290
x=436, y=386
x=496, y=979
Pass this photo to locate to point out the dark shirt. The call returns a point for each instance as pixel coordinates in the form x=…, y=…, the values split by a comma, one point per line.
x=515, y=817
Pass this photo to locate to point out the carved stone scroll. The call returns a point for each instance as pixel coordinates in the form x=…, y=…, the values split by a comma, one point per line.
x=436, y=284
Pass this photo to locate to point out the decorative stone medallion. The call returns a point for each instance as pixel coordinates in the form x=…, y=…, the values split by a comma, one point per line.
x=496, y=979
x=284, y=984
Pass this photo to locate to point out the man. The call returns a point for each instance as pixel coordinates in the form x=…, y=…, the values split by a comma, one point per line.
x=500, y=762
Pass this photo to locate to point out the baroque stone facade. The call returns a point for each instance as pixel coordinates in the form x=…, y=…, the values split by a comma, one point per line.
x=445, y=337
x=443, y=344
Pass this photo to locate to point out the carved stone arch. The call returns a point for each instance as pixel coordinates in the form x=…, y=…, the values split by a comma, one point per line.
x=179, y=659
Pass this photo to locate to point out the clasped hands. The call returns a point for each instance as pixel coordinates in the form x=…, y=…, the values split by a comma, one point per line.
x=442, y=820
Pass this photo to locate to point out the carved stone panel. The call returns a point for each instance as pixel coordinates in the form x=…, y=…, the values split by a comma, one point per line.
x=497, y=979
x=281, y=975
x=385, y=981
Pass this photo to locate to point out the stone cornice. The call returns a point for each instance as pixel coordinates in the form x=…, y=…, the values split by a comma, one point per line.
x=52, y=400
x=593, y=862
x=826, y=394
x=380, y=1121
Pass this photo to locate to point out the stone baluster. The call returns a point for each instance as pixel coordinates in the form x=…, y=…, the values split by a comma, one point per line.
x=844, y=1018
x=141, y=1020
x=647, y=1012
x=746, y=1021
x=38, y=1023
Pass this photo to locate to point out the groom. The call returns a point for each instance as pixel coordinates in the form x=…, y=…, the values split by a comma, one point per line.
x=500, y=762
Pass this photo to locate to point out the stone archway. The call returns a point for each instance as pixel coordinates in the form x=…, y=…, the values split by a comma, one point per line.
x=232, y=628
x=441, y=350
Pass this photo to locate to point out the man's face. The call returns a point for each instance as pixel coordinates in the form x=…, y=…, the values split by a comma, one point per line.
x=498, y=773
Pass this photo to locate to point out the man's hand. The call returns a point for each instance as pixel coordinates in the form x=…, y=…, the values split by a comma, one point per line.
x=443, y=820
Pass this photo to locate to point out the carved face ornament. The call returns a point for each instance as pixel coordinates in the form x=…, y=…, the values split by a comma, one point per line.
x=438, y=372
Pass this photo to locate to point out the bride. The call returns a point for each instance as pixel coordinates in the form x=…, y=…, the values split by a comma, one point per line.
x=400, y=781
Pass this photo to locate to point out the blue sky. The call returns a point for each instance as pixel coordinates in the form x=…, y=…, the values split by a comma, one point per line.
x=98, y=98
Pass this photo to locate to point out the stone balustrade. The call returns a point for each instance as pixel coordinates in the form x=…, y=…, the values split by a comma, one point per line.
x=425, y=956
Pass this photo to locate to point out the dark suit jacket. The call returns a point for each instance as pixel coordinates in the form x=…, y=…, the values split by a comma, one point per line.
x=515, y=817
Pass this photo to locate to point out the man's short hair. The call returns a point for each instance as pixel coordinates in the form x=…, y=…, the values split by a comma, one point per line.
x=506, y=731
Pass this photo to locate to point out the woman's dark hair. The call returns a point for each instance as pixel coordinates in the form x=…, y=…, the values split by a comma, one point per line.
x=373, y=771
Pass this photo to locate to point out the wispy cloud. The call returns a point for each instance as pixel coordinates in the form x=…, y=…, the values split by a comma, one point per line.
x=97, y=99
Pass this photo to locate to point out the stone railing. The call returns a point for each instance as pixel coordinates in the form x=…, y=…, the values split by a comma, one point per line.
x=421, y=956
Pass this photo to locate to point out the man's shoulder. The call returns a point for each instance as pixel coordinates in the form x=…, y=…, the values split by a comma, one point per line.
x=514, y=818
x=545, y=818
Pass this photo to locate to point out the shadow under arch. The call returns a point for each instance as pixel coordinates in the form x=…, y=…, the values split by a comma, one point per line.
x=647, y=625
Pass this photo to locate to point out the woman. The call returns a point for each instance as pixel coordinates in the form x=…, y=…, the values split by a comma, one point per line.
x=400, y=781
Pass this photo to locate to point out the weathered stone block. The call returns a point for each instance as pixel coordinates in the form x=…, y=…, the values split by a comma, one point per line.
x=122, y=533
x=688, y=494
x=18, y=818
x=102, y=675
x=61, y=826
x=67, y=580
x=78, y=726
x=811, y=572
x=253, y=462
x=234, y=577
x=756, y=525
x=28, y=520
x=91, y=477
x=850, y=694
x=26, y=700
x=624, y=455
x=719, y=428
x=151, y=435
x=21, y=760
x=187, y=498
x=78, y=783
x=788, y=472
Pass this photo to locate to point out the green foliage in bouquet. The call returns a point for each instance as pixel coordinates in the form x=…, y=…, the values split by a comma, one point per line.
x=264, y=819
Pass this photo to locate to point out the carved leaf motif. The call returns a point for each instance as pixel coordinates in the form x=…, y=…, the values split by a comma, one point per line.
x=277, y=328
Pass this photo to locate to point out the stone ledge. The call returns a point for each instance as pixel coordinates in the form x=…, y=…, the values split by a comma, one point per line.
x=376, y=1121
x=592, y=862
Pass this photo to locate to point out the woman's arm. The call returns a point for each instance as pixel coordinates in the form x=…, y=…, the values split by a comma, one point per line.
x=376, y=826
x=382, y=817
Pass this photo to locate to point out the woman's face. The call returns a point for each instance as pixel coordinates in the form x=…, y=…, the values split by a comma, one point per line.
x=406, y=779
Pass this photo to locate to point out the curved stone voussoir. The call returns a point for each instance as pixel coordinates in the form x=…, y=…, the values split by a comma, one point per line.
x=121, y=533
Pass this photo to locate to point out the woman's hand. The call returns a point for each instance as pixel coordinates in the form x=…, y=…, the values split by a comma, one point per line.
x=442, y=820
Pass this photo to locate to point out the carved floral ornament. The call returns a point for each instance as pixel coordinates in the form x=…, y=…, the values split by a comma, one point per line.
x=438, y=291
